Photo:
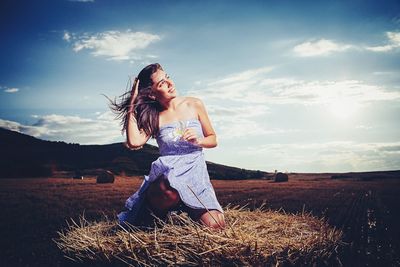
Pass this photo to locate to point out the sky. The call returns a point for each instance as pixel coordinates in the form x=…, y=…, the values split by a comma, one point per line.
x=293, y=86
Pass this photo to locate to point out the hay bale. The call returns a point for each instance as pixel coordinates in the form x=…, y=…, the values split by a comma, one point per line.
x=281, y=177
x=261, y=238
x=105, y=177
x=78, y=175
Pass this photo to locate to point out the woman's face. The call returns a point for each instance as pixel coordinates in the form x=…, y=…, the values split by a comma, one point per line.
x=163, y=87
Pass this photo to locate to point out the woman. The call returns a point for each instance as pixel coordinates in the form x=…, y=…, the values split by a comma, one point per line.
x=178, y=179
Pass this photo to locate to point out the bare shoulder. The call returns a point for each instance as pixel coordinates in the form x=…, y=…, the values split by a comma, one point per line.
x=186, y=100
x=196, y=105
x=194, y=102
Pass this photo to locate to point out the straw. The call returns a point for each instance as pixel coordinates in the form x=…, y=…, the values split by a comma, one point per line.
x=267, y=238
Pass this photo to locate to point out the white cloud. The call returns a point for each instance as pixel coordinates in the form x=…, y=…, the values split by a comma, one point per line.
x=114, y=45
x=324, y=47
x=330, y=156
x=287, y=91
x=232, y=128
x=239, y=107
x=11, y=90
x=385, y=73
x=233, y=122
x=238, y=112
x=67, y=36
x=242, y=76
x=393, y=43
x=364, y=127
x=321, y=47
x=230, y=118
x=264, y=90
x=73, y=129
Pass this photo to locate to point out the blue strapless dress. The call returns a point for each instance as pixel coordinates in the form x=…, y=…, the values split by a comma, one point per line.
x=183, y=164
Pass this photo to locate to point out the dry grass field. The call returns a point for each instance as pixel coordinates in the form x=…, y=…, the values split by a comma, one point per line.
x=34, y=210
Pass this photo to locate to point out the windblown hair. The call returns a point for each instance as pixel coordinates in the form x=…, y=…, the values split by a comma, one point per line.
x=145, y=110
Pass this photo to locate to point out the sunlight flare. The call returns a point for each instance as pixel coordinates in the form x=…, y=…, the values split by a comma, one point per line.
x=343, y=108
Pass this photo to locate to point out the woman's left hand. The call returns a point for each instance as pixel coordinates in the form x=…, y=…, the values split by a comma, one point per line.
x=190, y=135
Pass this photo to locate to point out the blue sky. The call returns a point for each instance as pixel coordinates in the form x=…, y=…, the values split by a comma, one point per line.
x=298, y=86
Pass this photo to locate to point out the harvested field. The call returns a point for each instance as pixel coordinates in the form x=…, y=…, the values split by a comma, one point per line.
x=34, y=210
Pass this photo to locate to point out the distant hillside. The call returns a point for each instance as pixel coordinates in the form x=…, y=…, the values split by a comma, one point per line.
x=22, y=155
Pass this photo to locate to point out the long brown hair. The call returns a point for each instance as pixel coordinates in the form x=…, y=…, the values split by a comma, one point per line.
x=145, y=110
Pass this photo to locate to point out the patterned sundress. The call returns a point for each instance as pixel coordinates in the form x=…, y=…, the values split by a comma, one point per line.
x=183, y=164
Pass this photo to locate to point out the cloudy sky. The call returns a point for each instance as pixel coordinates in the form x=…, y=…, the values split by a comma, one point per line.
x=298, y=86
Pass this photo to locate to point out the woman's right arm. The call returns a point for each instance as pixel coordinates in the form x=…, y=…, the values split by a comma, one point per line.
x=135, y=138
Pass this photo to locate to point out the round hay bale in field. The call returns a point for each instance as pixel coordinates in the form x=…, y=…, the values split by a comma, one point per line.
x=105, y=177
x=259, y=237
x=281, y=177
x=78, y=175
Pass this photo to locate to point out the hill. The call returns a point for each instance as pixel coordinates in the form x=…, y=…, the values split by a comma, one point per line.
x=26, y=156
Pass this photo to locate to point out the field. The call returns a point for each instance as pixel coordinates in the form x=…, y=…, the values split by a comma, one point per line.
x=367, y=210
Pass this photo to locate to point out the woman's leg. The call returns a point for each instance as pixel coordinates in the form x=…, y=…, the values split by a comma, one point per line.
x=161, y=197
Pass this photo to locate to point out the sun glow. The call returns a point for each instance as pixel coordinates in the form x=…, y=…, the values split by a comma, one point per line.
x=343, y=108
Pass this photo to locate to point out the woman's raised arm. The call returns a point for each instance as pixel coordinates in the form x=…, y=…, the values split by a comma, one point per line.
x=135, y=138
